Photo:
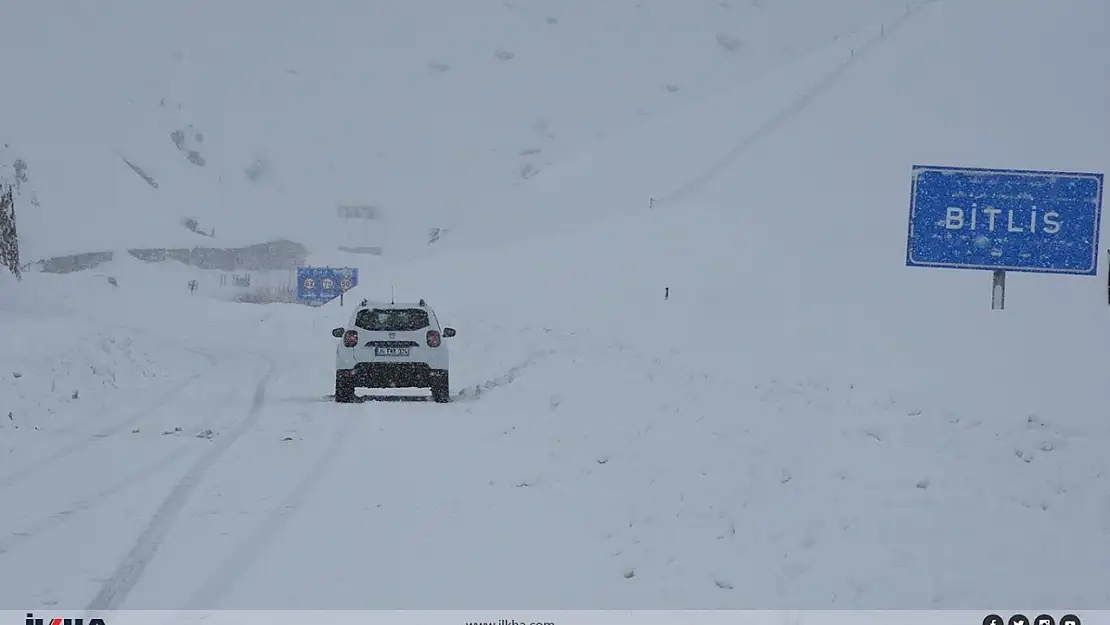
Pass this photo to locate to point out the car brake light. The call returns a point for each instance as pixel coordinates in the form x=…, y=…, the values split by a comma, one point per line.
x=350, y=339
x=433, y=338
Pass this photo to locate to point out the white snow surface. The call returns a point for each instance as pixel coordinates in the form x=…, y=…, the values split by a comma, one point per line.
x=803, y=423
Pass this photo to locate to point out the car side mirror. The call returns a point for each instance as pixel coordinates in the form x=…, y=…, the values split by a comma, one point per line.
x=448, y=332
x=337, y=333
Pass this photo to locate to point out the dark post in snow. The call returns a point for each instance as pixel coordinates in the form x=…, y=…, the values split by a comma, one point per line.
x=998, y=292
x=666, y=293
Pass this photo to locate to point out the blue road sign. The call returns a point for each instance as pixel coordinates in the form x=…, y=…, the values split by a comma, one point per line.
x=1004, y=219
x=323, y=284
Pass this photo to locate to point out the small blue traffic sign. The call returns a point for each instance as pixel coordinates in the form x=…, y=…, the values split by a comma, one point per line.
x=323, y=284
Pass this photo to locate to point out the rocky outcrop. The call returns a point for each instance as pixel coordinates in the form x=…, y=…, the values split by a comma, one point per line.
x=269, y=256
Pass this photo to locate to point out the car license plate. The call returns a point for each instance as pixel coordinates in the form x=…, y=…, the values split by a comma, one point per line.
x=391, y=351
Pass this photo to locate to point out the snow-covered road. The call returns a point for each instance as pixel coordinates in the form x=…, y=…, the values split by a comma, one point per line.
x=573, y=469
x=98, y=493
x=197, y=491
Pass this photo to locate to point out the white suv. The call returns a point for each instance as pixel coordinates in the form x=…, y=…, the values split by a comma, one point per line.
x=392, y=346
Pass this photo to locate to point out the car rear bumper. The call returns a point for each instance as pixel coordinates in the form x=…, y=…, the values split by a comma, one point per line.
x=392, y=375
x=352, y=358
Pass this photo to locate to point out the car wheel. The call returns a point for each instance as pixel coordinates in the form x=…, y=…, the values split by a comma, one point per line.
x=441, y=388
x=344, y=390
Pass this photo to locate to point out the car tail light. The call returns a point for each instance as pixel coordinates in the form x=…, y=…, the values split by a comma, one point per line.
x=433, y=338
x=350, y=339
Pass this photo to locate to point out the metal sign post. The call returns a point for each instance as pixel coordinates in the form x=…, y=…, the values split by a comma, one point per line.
x=998, y=291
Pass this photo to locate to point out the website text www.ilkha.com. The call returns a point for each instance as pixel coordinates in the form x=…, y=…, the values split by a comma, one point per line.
x=509, y=621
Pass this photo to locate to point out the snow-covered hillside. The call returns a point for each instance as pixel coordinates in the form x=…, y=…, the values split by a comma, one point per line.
x=258, y=118
x=803, y=423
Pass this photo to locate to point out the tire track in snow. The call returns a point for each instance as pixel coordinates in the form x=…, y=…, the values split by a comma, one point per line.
x=240, y=560
x=123, y=484
x=113, y=592
x=71, y=511
x=475, y=391
x=69, y=450
x=109, y=407
x=232, y=569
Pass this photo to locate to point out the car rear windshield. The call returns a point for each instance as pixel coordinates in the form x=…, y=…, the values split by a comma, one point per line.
x=392, y=319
